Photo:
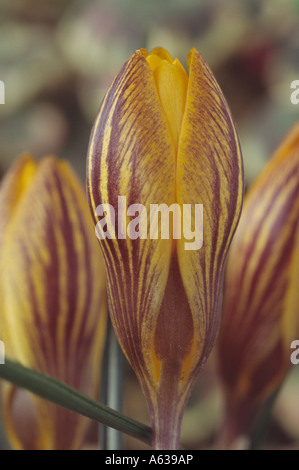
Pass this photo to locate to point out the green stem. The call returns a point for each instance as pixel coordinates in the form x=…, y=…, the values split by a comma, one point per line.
x=67, y=397
x=113, y=387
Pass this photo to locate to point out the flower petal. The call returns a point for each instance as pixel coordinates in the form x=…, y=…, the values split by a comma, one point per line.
x=12, y=189
x=164, y=300
x=131, y=154
x=209, y=172
x=261, y=296
x=53, y=291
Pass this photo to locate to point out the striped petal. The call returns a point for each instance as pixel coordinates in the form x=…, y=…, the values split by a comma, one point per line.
x=150, y=145
x=261, y=301
x=131, y=154
x=12, y=188
x=209, y=172
x=53, y=294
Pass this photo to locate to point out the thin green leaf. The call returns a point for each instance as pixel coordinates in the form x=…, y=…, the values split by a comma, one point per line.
x=67, y=397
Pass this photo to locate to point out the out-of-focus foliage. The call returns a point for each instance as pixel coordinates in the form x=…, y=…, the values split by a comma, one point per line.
x=57, y=59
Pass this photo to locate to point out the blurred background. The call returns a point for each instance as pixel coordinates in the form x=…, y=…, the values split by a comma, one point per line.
x=57, y=59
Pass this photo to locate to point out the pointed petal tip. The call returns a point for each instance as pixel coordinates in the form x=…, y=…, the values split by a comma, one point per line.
x=192, y=54
x=25, y=157
x=142, y=52
x=162, y=53
x=289, y=144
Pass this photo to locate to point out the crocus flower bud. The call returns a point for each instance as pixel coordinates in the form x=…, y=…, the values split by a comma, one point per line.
x=260, y=317
x=53, y=300
x=165, y=143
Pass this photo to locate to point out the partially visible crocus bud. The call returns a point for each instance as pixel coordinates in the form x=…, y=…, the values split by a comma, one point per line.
x=164, y=142
x=53, y=298
x=261, y=316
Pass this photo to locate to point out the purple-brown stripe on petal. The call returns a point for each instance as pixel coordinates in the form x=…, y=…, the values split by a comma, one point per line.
x=54, y=295
x=165, y=301
x=209, y=172
x=253, y=356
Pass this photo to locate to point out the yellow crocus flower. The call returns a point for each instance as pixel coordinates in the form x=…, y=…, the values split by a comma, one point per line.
x=260, y=313
x=53, y=297
x=165, y=137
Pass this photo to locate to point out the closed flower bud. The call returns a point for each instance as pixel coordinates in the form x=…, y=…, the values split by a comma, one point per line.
x=260, y=315
x=164, y=142
x=53, y=309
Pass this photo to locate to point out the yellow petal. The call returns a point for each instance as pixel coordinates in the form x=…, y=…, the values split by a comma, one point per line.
x=209, y=172
x=12, y=189
x=53, y=286
x=172, y=82
x=160, y=52
x=161, y=139
x=260, y=307
x=131, y=154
